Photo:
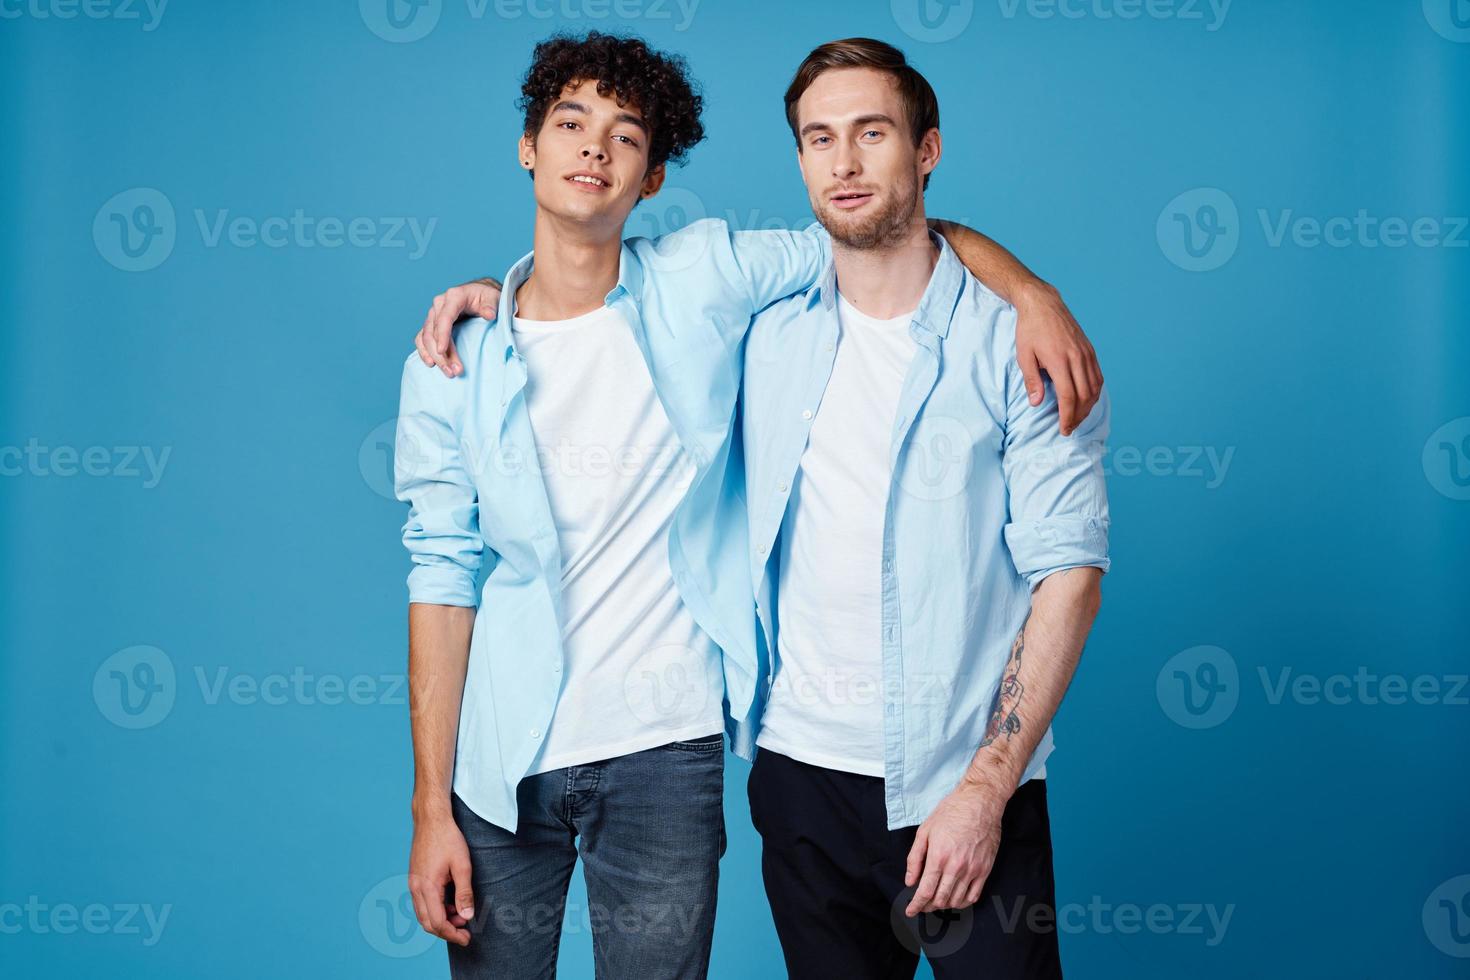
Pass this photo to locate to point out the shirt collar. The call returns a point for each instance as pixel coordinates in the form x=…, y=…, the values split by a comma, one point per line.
x=936, y=307
x=630, y=283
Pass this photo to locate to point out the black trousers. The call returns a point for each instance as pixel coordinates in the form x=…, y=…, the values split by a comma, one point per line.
x=834, y=876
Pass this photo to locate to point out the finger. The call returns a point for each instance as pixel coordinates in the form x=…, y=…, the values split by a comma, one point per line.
x=944, y=894
x=1061, y=380
x=972, y=895
x=441, y=326
x=924, y=897
x=916, y=857
x=449, y=930
x=464, y=892
x=420, y=344
x=430, y=907
x=1094, y=370
x=456, y=367
x=1031, y=374
x=1086, y=392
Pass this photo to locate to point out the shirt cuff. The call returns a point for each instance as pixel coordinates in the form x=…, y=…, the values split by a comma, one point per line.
x=441, y=585
x=1040, y=548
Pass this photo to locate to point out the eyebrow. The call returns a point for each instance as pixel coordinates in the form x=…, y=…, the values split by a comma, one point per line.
x=626, y=117
x=874, y=117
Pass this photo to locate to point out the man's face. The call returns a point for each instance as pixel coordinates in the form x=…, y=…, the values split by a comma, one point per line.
x=862, y=171
x=590, y=158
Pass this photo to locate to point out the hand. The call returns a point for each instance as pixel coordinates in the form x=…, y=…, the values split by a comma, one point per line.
x=435, y=340
x=1049, y=339
x=441, y=857
x=954, y=850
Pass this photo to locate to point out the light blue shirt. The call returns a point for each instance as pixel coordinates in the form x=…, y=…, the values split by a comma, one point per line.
x=987, y=498
x=465, y=462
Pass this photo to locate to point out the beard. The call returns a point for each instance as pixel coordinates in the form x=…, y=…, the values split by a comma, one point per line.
x=884, y=222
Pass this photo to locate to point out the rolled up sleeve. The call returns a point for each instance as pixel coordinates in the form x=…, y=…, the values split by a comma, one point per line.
x=1056, y=492
x=442, y=533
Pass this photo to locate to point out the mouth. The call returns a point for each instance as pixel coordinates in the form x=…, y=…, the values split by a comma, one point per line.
x=848, y=200
x=589, y=182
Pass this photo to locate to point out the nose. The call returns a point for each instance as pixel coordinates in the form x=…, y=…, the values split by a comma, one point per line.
x=594, y=151
x=845, y=161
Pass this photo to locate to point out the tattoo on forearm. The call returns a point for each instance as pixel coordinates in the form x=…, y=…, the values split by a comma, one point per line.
x=1005, y=717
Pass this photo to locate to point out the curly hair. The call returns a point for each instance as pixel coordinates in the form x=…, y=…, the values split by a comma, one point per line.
x=655, y=83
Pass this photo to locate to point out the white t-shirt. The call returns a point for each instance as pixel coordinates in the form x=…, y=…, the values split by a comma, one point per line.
x=639, y=670
x=826, y=704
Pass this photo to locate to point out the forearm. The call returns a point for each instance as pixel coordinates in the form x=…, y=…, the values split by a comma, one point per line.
x=990, y=262
x=438, y=656
x=1044, y=657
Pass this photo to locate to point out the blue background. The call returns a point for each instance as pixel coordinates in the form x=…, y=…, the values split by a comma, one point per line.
x=1335, y=541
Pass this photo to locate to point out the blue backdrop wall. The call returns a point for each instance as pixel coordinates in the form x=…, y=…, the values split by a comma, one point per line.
x=221, y=223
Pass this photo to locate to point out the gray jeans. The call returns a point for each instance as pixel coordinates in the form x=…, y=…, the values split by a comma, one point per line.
x=650, y=829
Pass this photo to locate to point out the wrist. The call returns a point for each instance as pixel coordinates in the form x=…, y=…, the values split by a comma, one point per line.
x=1036, y=292
x=430, y=806
x=992, y=777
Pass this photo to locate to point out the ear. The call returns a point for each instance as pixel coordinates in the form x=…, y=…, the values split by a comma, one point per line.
x=652, y=182
x=931, y=148
x=526, y=152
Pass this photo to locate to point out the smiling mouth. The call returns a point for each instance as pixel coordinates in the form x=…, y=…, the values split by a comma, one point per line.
x=587, y=180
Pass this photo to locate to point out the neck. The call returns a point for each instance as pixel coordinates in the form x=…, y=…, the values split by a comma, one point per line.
x=575, y=267
x=888, y=279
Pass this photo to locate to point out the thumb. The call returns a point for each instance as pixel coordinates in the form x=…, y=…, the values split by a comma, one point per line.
x=464, y=894
x=1030, y=373
x=916, y=858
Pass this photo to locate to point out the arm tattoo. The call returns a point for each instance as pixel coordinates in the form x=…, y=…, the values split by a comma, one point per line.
x=1005, y=718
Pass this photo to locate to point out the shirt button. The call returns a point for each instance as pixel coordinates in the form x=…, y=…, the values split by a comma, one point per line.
x=535, y=733
x=887, y=565
x=829, y=346
x=781, y=487
x=760, y=549
x=556, y=668
x=806, y=413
